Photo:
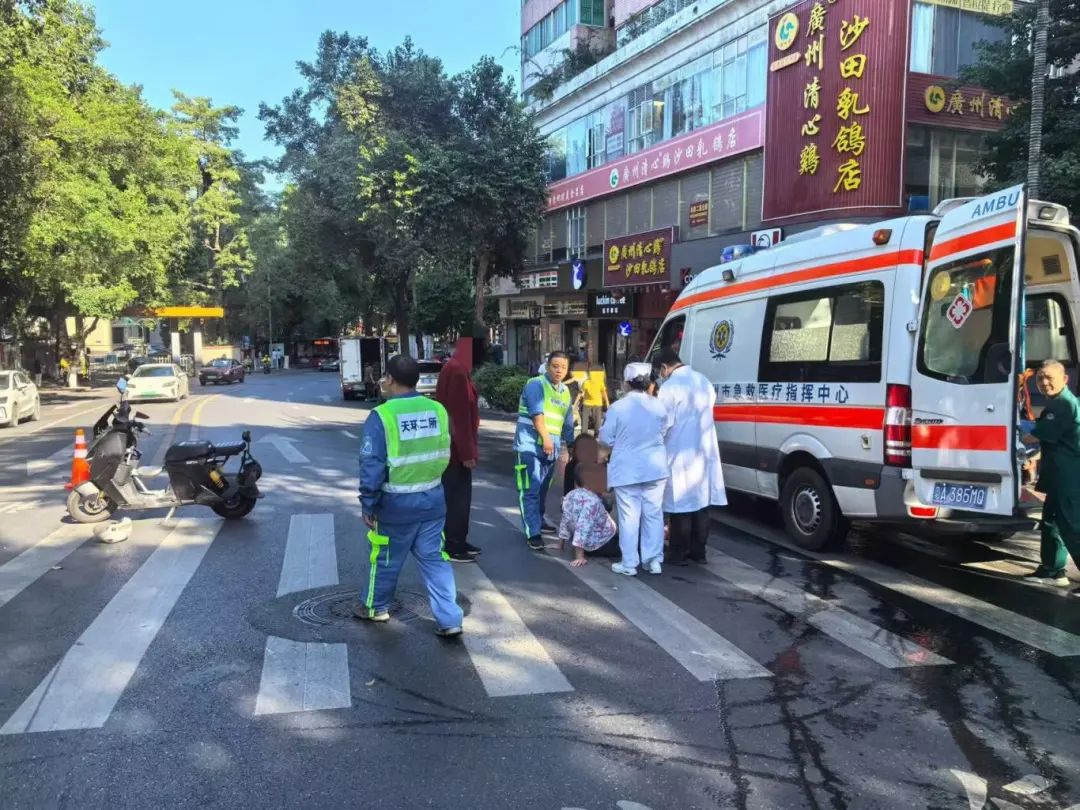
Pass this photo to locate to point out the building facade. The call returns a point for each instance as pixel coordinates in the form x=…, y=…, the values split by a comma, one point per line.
x=713, y=125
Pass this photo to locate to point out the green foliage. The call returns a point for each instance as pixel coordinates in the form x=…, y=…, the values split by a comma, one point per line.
x=443, y=301
x=578, y=59
x=1005, y=68
x=500, y=386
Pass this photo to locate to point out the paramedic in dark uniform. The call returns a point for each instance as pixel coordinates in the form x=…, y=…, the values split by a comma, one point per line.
x=1057, y=431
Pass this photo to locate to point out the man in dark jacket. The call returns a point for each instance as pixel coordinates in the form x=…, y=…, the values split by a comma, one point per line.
x=456, y=392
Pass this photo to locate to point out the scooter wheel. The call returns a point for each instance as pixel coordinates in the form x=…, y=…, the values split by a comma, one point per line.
x=87, y=510
x=235, y=509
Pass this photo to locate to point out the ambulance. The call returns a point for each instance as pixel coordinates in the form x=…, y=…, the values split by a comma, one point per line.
x=876, y=373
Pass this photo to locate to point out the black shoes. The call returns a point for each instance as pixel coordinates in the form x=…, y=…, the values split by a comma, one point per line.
x=536, y=543
x=461, y=557
x=471, y=549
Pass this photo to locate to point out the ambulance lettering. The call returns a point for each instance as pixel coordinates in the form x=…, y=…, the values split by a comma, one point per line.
x=1000, y=203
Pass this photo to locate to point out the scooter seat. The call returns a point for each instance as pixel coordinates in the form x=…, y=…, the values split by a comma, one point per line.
x=187, y=451
x=227, y=448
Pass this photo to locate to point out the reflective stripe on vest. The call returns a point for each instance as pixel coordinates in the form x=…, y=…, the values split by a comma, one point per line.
x=556, y=404
x=417, y=443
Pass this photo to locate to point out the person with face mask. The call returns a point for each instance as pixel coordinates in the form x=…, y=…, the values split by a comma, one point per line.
x=696, y=479
x=1057, y=430
x=545, y=424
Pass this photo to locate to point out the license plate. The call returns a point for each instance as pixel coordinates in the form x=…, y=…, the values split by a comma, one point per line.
x=966, y=496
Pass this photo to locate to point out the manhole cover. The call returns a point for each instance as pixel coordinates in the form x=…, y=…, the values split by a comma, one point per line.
x=335, y=609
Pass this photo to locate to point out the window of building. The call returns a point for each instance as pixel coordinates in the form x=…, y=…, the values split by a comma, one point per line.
x=665, y=203
x=559, y=236
x=946, y=40
x=640, y=210
x=640, y=120
x=824, y=335
x=592, y=13
x=556, y=155
x=941, y=163
x=595, y=220
x=615, y=217
x=596, y=148
x=575, y=232
x=978, y=350
x=577, y=148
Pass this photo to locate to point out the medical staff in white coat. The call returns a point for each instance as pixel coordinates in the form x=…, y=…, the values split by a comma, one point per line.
x=637, y=470
x=696, y=479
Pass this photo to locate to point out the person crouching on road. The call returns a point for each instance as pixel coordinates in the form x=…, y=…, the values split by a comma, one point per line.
x=585, y=521
x=637, y=470
x=545, y=424
x=404, y=450
x=1057, y=431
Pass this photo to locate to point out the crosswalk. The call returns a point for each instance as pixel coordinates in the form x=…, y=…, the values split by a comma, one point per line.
x=510, y=658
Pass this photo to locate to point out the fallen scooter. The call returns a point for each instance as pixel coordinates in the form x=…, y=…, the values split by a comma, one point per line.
x=195, y=471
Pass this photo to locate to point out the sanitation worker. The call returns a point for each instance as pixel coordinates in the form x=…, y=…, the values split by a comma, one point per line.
x=1057, y=431
x=403, y=453
x=545, y=424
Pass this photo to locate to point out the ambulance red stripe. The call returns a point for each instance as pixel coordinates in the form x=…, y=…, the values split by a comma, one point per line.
x=971, y=241
x=809, y=415
x=959, y=437
x=821, y=271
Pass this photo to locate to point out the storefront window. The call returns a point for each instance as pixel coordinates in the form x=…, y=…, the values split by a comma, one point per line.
x=945, y=40
x=556, y=155
x=941, y=164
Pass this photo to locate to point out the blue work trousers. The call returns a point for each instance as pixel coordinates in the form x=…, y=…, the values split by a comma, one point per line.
x=533, y=475
x=425, y=540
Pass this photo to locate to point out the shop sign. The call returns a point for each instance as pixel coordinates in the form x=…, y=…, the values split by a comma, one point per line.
x=834, y=132
x=699, y=213
x=611, y=305
x=998, y=8
x=724, y=139
x=936, y=101
x=524, y=310
x=644, y=258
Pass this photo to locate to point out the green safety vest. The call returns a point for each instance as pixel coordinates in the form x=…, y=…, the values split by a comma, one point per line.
x=417, y=443
x=556, y=405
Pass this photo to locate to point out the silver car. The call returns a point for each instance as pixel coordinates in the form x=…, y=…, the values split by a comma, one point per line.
x=19, y=398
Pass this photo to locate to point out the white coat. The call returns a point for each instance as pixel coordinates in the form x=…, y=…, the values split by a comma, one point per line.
x=634, y=429
x=696, y=479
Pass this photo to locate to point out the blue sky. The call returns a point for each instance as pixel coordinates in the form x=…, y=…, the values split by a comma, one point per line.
x=242, y=52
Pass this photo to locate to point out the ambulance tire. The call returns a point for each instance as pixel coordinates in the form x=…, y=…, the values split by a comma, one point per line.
x=810, y=512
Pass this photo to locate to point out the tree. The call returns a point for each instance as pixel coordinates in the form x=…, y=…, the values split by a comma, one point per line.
x=486, y=190
x=443, y=301
x=1005, y=68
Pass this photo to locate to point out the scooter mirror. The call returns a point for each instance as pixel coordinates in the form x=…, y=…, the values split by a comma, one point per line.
x=246, y=436
x=141, y=415
x=121, y=385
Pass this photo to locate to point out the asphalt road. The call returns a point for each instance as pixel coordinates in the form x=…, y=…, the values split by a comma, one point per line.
x=205, y=663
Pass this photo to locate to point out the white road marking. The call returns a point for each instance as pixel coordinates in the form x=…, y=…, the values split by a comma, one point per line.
x=704, y=653
x=882, y=646
x=350, y=435
x=507, y=656
x=996, y=619
x=23, y=570
x=82, y=690
x=324, y=397
x=310, y=554
x=305, y=676
x=65, y=406
x=285, y=447
x=53, y=462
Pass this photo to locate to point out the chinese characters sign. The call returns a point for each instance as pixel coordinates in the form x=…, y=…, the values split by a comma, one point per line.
x=937, y=101
x=789, y=393
x=610, y=305
x=644, y=258
x=699, y=213
x=727, y=138
x=998, y=8
x=834, y=130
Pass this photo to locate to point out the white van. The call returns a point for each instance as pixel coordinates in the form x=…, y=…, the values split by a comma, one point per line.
x=871, y=372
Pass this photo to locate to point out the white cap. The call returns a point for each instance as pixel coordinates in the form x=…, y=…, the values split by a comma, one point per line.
x=635, y=370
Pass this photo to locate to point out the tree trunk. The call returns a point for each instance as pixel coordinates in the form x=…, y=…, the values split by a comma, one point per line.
x=482, y=262
x=401, y=318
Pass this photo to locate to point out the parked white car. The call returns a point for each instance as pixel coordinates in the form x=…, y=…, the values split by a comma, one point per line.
x=157, y=381
x=19, y=398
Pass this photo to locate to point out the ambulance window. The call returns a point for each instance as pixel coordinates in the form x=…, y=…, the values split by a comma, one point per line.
x=965, y=330
x=824, y=335
x=671, y=334
x=1047, y=330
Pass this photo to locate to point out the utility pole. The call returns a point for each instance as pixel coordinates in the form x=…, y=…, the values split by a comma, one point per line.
x=269, y=318
x=1038, y=95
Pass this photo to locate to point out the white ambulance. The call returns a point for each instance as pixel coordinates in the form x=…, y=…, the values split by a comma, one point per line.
x=871, y=372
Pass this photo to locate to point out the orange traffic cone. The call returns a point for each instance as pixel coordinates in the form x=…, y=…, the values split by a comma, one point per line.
x=80, y=467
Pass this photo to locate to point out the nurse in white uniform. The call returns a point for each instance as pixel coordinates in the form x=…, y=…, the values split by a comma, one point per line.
x=637, y=470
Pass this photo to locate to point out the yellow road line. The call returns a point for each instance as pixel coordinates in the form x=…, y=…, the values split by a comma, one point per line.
x=197, y=414
x=178, y=414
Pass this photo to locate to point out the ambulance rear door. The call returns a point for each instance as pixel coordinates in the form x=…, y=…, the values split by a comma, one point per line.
x=968, y=355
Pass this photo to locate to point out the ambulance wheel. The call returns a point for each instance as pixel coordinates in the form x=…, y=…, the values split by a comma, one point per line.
x=811, y=514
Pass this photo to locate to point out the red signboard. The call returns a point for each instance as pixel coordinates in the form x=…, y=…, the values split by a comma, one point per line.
x=940, y=102
x=699, y=213
x=639, y=259
x=835, y=130
x=725, y=139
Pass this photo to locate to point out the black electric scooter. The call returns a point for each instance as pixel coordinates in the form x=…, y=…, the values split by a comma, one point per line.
x=194, y=469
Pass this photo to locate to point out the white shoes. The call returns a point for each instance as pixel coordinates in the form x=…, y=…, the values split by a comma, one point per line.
x=625, y=570
x=654, y=567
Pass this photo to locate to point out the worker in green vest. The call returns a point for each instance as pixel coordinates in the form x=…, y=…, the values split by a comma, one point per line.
x=545, y=424
x=403, y=453
x=1058, y=433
